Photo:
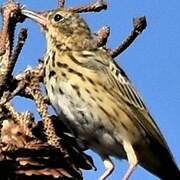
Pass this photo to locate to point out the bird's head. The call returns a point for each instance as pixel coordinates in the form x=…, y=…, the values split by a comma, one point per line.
x=63, y=28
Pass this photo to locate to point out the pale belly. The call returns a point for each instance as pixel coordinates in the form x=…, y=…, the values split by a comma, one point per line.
x=92, y=131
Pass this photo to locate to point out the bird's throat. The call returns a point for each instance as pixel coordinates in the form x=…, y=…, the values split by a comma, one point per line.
x=72, y=42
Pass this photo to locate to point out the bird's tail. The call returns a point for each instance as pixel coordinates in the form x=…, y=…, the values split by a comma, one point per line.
x=159, y=161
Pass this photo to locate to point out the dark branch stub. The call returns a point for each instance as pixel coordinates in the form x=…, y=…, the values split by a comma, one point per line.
x=20, y=43
x=94, y=7
x=102, y=36
x=139, y=24
x=61, y=3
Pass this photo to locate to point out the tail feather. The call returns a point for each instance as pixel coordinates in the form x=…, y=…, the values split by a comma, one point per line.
x=159, y=161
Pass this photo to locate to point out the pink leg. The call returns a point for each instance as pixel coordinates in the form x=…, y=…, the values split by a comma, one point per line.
x=132, y=159
x=109, y=167
x=129, y=171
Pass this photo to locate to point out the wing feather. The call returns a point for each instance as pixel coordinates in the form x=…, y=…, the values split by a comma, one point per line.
x=139, y=111
x=115, y=79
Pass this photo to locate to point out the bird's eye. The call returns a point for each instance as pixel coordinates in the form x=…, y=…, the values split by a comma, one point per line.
x=57, y=17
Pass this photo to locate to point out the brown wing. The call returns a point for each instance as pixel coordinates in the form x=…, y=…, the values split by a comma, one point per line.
x=117, y=81
x=128, y=93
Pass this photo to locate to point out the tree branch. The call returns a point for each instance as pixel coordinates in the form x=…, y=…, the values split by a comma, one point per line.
x=139, y=24
x=61, y=3
x=102, y=36
x=11, y=17
x=94, y=7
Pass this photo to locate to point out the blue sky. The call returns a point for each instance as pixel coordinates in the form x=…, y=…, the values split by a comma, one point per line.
x=152, y=63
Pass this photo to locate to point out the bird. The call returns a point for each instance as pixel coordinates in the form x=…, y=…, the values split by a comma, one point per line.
x=102, y=107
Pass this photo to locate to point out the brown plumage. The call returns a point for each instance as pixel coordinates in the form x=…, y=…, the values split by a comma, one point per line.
x=101, y=105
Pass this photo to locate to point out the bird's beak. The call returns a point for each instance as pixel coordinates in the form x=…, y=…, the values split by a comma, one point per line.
x=38, y=17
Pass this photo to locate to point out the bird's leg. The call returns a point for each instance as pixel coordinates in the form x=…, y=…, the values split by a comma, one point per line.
x=132, y=159
x=129, y=171
x=109, y=167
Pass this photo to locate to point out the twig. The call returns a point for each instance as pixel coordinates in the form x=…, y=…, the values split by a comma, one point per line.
x=102, y=36
x=20, y=43
x=7, y=34
x=20, y=82
x=61, y=3
x=94, y=7
x=139, y=24
x=13, y=58
x=12, y=110
x=8, y=94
